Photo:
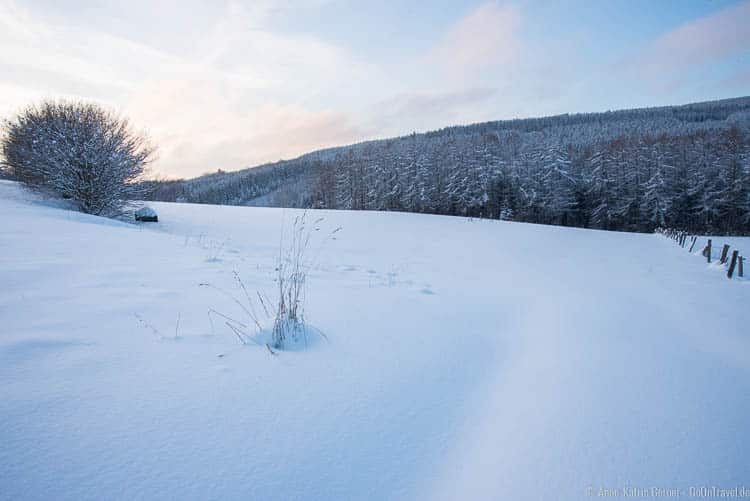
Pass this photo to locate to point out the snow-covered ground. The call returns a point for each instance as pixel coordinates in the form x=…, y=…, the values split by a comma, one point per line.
x=463, y=360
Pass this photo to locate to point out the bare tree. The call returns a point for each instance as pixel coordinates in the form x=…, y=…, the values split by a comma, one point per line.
x=77, y=151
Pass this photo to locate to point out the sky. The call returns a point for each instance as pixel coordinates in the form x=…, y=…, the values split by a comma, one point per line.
x=229, y=85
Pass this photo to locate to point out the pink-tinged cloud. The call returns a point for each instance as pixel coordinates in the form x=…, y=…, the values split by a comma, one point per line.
x=487, y=36
x=212, y=131
x=704, y=40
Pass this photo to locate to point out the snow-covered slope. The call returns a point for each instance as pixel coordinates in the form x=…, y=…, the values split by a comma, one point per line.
x=464, y=360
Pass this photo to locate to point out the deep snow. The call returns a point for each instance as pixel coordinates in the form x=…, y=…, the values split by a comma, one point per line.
x=464, y=359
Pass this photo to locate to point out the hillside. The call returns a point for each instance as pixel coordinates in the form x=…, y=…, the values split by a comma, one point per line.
x=634, y=170
x=461, y=359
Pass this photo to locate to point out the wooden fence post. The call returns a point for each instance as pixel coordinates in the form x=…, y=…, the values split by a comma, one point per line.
x=707, y=250
x=732, y=264
x=724, y=251
x=695, y=239
x=740, y=272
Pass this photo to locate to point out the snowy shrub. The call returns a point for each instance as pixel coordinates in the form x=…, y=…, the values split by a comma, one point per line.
x=76, y=151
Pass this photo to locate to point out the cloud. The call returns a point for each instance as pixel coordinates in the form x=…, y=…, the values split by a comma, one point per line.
x=239, y=95
x=224, y=90
x=703, y=41
x=419, y=111
x=202, y=125
x=487, y=36
x=233, y=84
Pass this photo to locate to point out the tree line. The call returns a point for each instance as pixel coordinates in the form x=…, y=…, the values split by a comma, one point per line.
x=684, y=167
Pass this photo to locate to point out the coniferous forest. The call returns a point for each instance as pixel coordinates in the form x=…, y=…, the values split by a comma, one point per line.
x=686, y=167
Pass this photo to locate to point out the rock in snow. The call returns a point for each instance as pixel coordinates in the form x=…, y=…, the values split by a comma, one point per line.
x=146, y=214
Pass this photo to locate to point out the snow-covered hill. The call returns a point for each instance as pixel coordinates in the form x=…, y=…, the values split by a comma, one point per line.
x=463, y=359
x=634, y=170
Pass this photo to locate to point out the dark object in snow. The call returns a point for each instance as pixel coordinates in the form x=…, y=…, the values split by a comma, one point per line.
x=724, y=252
x=732, y=264
x=146, y=215
x=740, y=271
x=707, y=251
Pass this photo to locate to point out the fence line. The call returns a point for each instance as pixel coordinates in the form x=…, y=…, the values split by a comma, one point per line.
x=735, y=262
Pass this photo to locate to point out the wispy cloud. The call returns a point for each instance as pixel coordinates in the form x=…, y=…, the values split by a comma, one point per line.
x=245, y=96
x=709, y=39
x=234, y=83
x=487, y=36
x=417, y=111
x=719, y=35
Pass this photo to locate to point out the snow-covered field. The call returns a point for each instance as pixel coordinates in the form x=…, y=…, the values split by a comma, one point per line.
x=463, y=360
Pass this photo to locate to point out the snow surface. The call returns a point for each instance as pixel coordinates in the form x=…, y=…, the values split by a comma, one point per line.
x=462, y=359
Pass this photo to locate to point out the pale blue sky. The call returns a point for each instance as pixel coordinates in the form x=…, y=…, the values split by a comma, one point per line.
x=233, y=84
